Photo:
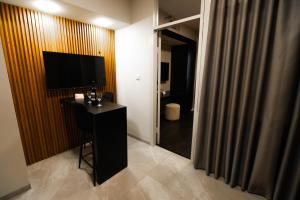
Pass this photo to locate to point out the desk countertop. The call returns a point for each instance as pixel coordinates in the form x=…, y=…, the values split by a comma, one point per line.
x=94, y=109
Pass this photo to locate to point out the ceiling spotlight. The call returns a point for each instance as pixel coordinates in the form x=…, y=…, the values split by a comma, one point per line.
x=47, y=6
x=103, y=21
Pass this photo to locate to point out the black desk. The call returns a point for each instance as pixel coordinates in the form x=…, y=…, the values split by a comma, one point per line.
x=110, y=137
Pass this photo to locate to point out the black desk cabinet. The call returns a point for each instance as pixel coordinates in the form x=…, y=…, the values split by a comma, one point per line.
x=110, y=137
x=110, y=132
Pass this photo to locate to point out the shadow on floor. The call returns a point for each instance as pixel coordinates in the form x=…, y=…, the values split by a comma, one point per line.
x=176, y=136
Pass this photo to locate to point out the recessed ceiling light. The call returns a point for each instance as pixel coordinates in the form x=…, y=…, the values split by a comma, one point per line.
x=47, y=6
x=103, y=21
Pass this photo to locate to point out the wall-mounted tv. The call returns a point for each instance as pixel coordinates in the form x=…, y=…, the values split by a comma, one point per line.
x=65, y=70
x=164, y=72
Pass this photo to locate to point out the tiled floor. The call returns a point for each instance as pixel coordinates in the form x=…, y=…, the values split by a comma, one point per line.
x=153, y=173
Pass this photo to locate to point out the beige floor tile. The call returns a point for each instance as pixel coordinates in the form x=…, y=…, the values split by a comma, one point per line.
x=153, y=173
x=176, y=162
x=135, y=194
x=83, y=195
x=154, y=190
x=104, y=192
x=143, y=157
x=167, y=177
x=123, y=182
x=68, y=188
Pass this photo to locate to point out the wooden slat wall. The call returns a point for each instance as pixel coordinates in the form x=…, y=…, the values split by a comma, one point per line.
x=46, y=128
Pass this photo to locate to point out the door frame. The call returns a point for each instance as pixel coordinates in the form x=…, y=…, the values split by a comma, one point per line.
x=158, y=64
x=199, y=71
x=202, y=44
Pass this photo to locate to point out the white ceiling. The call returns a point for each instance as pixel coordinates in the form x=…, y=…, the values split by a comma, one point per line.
x=118, y=11
x=180, y=8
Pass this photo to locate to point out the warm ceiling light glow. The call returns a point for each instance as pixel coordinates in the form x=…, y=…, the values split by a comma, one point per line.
x=102, y=21
x=47, y=6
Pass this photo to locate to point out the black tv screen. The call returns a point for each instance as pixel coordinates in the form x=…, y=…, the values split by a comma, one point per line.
x=65, y=70
x=164, y=71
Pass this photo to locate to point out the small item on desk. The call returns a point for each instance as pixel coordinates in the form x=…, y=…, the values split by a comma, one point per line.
x=93, y=93
x=99, y=98
x=89, y=95
x=79, y=96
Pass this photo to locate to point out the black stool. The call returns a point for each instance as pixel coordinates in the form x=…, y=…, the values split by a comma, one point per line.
x=84, y=123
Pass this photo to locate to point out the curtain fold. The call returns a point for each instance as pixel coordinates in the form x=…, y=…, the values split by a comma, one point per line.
x=249, y=107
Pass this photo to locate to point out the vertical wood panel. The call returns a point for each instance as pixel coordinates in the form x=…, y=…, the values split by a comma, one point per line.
x=45, y=127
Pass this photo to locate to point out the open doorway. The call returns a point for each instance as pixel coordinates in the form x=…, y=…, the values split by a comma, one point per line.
x=177, y=62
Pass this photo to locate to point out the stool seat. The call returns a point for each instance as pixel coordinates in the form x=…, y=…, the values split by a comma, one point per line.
x=172, y=111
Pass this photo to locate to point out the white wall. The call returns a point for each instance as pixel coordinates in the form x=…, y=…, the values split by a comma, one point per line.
x=134, y=60
x=166, y=57
x=13, y=172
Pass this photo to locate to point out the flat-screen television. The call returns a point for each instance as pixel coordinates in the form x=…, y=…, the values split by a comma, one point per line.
x=164, y=71
x=65, y=70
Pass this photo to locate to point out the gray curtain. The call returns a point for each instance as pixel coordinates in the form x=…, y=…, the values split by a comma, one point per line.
x=249, y=130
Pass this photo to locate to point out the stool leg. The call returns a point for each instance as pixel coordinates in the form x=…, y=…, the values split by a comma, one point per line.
x=94, y=163
x=80, y=151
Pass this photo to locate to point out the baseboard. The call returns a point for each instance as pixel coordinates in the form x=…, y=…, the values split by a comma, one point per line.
x=133, y=136
x=16, y=192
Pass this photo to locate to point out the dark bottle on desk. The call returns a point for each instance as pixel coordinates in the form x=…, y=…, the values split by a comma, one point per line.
x=93, y=94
